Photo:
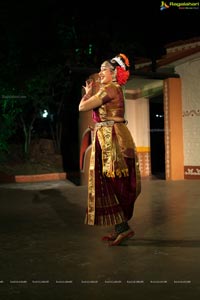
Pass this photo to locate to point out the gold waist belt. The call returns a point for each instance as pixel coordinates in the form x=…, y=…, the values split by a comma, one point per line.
x=109, y=123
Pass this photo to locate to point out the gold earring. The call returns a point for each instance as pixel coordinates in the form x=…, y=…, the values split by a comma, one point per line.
x=114, y=76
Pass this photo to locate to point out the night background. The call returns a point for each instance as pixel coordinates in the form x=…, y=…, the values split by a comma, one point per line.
x=49, y=48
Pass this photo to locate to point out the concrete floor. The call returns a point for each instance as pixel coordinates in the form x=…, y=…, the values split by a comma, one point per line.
x=47, y=253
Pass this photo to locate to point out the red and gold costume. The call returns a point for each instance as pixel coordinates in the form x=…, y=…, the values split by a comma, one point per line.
x=114, y=177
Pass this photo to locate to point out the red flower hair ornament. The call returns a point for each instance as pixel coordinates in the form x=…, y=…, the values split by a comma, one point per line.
x=122, y=75
x=121, y=66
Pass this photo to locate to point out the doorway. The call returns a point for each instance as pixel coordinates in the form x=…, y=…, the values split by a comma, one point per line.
x=157, y=142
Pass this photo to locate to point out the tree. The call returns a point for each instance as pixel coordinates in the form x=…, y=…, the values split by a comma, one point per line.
x=8, y=113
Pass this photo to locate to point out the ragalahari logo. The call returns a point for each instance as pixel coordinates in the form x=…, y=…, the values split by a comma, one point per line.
x=164, y=5
x=179, y=5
